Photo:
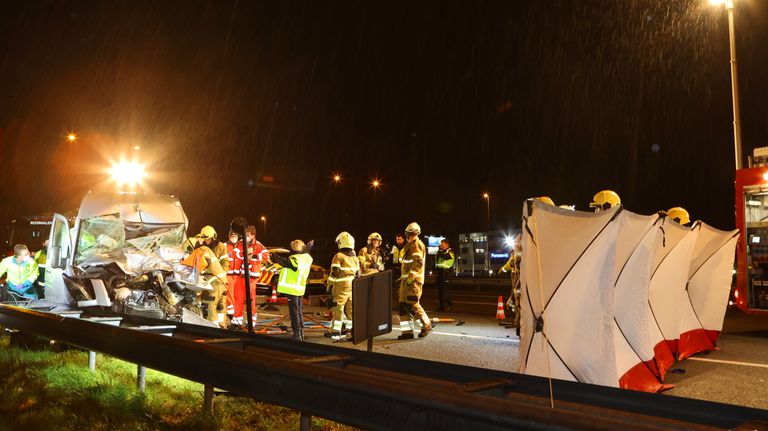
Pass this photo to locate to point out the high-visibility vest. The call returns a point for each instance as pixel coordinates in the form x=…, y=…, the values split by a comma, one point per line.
x=445, y=263
x=397, y=254
x=294, y=282
x=41, y=257
x=18, y=273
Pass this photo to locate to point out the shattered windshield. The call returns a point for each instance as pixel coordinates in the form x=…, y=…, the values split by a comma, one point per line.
x=136, y=247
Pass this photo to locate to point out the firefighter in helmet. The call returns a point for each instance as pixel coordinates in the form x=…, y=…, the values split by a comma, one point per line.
x=371, y=259
x=680, y=215
x=216, y=301
x=411, y=285
x=605, y=200
x=345, y=266
x=545, y=199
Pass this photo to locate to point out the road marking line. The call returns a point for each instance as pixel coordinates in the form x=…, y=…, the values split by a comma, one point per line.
x=476, y=303
x=513, y=341
x=482, y=337
x=720, y=361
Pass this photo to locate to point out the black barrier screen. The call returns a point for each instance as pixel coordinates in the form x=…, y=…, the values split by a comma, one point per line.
x=371, y=306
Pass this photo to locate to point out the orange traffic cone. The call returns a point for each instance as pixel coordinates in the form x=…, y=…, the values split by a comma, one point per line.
x=273, y=299
x=500, y=309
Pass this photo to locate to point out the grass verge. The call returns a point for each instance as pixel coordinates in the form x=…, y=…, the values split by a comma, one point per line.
x=55, y=390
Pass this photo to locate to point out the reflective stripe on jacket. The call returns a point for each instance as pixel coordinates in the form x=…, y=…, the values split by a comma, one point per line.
x=444, y=259
x=18, y=273
x=294, y=282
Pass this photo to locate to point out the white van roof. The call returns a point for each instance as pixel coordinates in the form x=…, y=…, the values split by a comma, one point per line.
x=134, y=207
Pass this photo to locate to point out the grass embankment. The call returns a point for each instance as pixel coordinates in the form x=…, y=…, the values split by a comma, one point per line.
x=48, y=390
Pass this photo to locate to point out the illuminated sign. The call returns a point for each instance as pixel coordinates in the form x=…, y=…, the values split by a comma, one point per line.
x=499, y=255
x=40, y=223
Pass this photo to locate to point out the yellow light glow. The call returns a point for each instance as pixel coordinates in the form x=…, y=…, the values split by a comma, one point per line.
x=728, y=3
x=128, y=173
x=336, y=178
x=71, y=137
x=263, y=218
x=765, y=176
x=486, y=196
x=376, y=183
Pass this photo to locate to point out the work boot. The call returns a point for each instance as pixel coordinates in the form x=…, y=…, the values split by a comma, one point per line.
x=425, y=331
x=301, y=334
x=406, y=335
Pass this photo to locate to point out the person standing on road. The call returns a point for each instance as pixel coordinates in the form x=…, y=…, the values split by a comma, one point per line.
x=397, y=255
x=411, y=285
x=21, y=271
x=235, y=278
x=41, y=257
x=345, y=266
x=257, y=254
x=443, y=265
x=370, y=257
x=293, y=282
x=513, y=268
x=217, y=302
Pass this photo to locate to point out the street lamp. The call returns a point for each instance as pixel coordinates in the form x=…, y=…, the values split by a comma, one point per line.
x=336, y=178
x=487, y=198
x=734, y=79
x=71, y=137
x=375, y=183
x=264, y=222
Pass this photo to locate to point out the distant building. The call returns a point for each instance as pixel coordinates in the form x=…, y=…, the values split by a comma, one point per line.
x=483, y=253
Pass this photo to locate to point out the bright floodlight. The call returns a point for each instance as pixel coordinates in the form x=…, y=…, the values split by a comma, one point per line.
x=509, y=241
x=71, y=137
x=727, y=3
x=486, y=195
x=376, y=183
x=127, y=173
x=336, y=178
x=263, y=218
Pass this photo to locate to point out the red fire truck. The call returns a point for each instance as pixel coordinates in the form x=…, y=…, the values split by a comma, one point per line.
x=751, y=294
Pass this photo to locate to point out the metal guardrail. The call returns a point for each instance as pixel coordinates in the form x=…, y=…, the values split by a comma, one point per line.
x=375, y=391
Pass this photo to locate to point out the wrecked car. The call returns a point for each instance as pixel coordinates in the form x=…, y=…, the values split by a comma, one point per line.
x=124, y=252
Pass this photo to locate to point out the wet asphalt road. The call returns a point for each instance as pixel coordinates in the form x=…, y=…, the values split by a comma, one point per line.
x=735, y=374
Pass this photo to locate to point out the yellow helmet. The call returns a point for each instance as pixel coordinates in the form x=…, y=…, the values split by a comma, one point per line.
x=604, y=200
x=207, y=232
x=374, y=235
x=546, y=199
x=345, y=240
x=413, y=228
x=679, y=214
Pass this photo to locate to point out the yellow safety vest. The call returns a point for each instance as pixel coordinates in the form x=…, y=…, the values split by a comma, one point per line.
x=18, y=273
x=445, y=263
x=294, y=282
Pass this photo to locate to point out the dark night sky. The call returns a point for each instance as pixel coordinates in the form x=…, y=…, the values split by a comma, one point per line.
x=441, y=100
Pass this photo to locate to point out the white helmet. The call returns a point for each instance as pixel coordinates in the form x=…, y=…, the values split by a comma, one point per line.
x=413, y=228
x=345, y=240
x=373, y=236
